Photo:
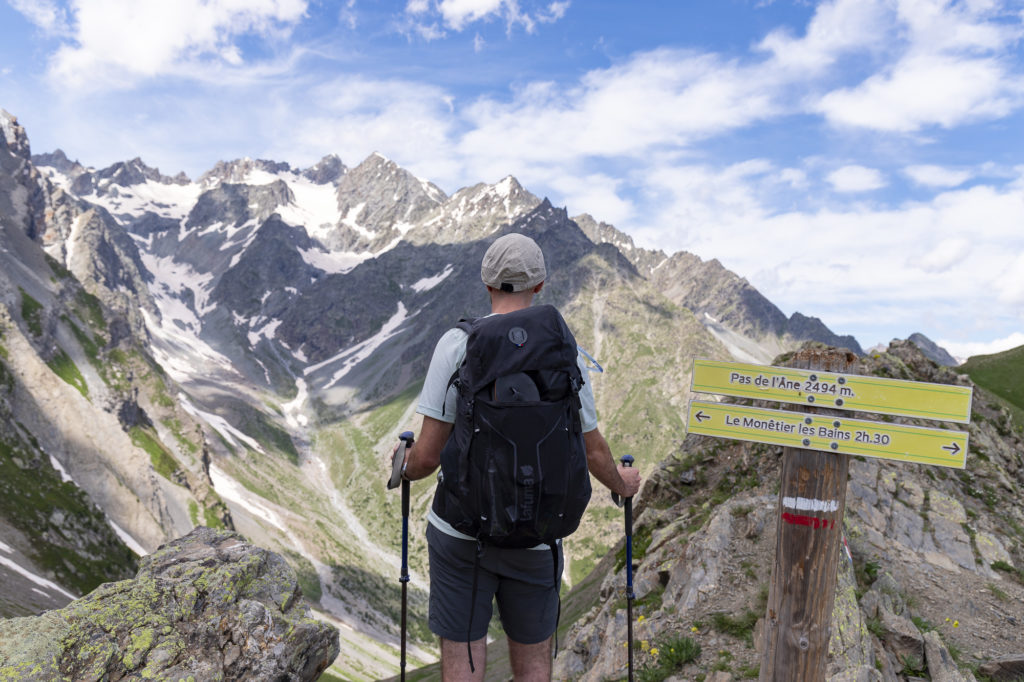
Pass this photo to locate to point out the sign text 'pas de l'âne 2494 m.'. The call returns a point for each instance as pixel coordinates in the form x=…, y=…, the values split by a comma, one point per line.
x=942, y=402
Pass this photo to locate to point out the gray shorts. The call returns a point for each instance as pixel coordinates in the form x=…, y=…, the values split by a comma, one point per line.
x=522, y=580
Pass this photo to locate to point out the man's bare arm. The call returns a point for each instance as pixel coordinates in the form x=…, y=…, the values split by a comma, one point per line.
x=425, y=455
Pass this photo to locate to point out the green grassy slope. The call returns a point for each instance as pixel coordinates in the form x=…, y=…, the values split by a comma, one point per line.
x=1003, y=375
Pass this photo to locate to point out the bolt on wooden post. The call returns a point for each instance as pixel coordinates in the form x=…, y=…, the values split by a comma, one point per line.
x=812, y=501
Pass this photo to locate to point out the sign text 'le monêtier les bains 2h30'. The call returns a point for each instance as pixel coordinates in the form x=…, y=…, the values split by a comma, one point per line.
x=941, y=447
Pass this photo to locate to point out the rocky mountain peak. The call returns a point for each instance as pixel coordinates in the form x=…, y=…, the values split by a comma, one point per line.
x=379, y=202
x=12, y=136
x=932, y=350
x=327, y=170
x=236, y=204
x=240, y=170
x=645, y=260
x=59, y=161
x=475, y=212
x=135, y=172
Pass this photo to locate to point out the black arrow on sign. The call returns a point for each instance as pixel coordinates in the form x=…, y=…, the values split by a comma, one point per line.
x=954, y=448
x=701, y=416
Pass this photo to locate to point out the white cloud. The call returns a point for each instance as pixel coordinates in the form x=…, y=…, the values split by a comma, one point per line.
x=457, y=15
x=1010, y=284
x=554, y=12
x=653, y=100
x=854, y=178
x=46, y=14
x=409, y=122
x=119, y=42
x=937, y=176
x=943, y=66
x=837, y=27
x=947, y=266
x=942, y=256
x=926, y=90
x=965, y=349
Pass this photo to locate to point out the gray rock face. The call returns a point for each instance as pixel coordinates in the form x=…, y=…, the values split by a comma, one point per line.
x=238, y=170
x=376, y=198
x=236, y=204
x=206, y=606
x=327, y=170
x=932, y=350
x=475, y=212
x=13, y=137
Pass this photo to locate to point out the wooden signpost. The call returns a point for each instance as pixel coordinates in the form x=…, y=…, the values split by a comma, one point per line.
x=815, y=466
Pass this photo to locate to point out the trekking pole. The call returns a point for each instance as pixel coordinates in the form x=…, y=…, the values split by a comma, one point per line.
x=397, y=469
x=627, y=461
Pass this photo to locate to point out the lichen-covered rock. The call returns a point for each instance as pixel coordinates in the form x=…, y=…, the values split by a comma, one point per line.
x=206, y=606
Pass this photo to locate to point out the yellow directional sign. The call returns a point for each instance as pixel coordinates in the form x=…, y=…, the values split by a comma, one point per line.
x=943, y=402
x=940, y=447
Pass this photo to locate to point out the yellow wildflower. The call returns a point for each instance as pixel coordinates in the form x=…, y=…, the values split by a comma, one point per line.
x=956, y=623
x=654, y=651
x=693, y=629
x=645, y=645
x=640, y=619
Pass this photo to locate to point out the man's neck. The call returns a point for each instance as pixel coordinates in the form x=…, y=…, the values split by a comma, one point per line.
x=510, y=303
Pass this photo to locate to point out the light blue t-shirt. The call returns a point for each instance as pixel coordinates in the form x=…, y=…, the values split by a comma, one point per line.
x=438, y=399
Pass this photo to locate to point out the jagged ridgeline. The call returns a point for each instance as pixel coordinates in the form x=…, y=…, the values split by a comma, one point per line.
x=240, y=350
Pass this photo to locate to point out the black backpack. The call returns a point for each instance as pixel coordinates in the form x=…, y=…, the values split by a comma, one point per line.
x=514, y=470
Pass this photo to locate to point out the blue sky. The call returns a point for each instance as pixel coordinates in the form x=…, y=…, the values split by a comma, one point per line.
x=857, y=160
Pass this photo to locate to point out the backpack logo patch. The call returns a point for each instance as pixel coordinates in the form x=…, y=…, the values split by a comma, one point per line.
x=518, y=336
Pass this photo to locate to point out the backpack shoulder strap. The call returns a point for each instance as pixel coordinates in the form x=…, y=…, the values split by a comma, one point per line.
x=466, y=324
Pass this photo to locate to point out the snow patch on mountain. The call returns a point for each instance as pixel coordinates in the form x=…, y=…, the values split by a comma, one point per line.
x=268, y=331
x=42, y=582
x=126, y=537
x=166, y=200
x=333, y=262
x=293, y=409
x=428, y=283
x=350, y=357
x=173, y=280
x=183, y=354
x=315, y=207
x=351, y=220
x=223, y=427
x=232, y=491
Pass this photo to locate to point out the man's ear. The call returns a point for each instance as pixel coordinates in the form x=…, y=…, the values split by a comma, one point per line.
x=537, y=288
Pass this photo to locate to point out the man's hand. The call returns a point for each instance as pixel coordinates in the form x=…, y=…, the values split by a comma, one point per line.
x=631, y=480
x=388, y=461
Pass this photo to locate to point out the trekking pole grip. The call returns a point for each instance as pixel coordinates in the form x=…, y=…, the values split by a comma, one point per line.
x=627, y=461
x=407, y=440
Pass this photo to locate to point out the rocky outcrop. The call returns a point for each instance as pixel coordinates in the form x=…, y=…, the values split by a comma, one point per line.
x=206, y=606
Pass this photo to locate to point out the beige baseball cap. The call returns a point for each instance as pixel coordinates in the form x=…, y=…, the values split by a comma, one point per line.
x=513, y=263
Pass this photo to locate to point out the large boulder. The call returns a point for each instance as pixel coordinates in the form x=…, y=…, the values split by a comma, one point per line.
x=206, y=606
